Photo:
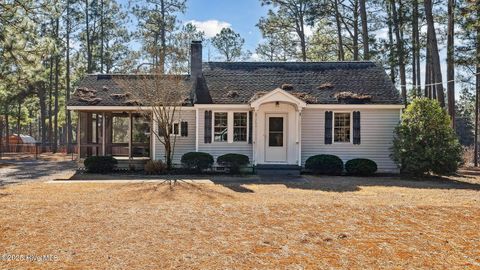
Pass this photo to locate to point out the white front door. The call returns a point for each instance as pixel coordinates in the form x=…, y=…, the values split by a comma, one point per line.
x=276, y=138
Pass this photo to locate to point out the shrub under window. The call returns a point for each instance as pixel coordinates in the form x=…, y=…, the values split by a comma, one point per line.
x=324, y=164
x=100, y=164
x=361, y=166
x=155, y=167
x=198, y=161
x=233, y=161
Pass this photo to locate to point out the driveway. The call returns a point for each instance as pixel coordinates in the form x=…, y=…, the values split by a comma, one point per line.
x=15, y=171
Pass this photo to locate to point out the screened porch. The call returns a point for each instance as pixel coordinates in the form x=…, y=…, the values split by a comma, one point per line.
x=123, y=135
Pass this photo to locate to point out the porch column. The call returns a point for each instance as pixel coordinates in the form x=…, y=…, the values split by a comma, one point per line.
x=130, y=135
x=104, y=140
x=79, y=115
x=254, y=135
x=299, y=135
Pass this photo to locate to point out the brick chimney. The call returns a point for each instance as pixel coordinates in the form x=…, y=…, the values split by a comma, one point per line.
x=196, y=59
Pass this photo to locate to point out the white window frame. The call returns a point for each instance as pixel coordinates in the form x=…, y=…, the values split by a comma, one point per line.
x=230, y=126
x=233, y=127
x=351, y=127
x=213, y=126
x=179, y=128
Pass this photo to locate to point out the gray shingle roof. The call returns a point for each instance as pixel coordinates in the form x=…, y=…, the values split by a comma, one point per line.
x=117, y=90
x=240, y=82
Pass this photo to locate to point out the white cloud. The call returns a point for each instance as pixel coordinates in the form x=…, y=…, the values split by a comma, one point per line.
x=254, y=57
x=308, y=30
x=210, y=27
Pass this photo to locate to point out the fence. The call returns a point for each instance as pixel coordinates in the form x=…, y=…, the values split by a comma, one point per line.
x=35, y=150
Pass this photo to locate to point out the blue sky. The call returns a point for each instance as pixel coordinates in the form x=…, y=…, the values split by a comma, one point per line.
x=241, y=15
x=211, y=16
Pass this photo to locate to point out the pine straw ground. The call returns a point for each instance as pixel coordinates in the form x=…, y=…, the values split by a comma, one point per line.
x=328, y=222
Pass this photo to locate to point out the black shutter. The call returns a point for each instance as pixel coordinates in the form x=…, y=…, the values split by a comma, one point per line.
x=356, y=127
x=208, y=127
x=184, y=128
x=161, y=131
x=250, y=120
x=328, y=127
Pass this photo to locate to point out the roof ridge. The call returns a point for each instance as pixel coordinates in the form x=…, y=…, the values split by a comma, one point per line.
x=293, y=62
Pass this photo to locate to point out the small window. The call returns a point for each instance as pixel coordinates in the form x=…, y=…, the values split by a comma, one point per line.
x=220, y=127
x=175, y=129
x=341, y=130
x=239, y=127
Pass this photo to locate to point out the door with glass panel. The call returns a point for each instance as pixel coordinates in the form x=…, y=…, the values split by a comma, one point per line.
x=276, y=138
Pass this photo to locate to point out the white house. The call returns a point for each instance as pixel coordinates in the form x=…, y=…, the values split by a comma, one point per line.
x=276, y=113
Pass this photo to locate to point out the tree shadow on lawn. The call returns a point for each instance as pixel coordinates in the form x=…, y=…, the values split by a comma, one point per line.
x=169, y=189
x=239, y=183
x=350, y=183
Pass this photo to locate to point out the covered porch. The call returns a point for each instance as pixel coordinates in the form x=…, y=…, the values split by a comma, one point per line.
x=125, y=135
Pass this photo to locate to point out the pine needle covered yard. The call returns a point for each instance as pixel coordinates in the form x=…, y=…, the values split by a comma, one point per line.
x=337, y=222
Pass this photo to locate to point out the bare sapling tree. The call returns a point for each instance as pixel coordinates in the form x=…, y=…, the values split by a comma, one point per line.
x=160, y=98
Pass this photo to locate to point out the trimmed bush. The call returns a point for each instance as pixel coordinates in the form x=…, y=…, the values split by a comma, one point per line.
x=361, y=166
x=324, y=164
x=198, y=161
x=424, y=140
x=233, y=161
x=155, y=167
x=100, y=164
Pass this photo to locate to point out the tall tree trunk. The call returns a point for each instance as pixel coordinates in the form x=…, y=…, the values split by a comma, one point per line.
x=50, y=94
x=89, y=45
x=102, y=38
x=19, y=117
x=57, y=71
x=43, y=112
x=428, y=72
x=477, y=87
x=415, y=48
x=391, y=56
x=400, y=50
x=67, y=75
x=341, y=54
x=163, y=38
x=450, y=62
x=365, y=39
x=432, y=43
x=7, y=128
x=355, y=31
x=303, y=42
x=30, y=125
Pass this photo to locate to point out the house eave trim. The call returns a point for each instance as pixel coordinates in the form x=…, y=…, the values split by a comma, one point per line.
x=117, y=108
x=355, y=106
x=222, y=106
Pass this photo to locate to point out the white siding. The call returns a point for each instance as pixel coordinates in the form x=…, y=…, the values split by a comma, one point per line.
x=182, y=144
x=219, y=148
x=376, y=129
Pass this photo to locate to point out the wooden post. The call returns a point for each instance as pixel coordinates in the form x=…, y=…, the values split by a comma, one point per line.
x=79, y=149
x=130, y=135
x=104, y=139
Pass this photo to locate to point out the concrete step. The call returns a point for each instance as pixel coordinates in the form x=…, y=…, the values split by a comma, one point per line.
x=278, y=169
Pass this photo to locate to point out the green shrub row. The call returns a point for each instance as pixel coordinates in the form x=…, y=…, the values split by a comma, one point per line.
x=333, y=165
x=200, y=161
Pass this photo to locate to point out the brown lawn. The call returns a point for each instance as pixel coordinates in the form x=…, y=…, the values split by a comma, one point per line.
x=331, y=222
